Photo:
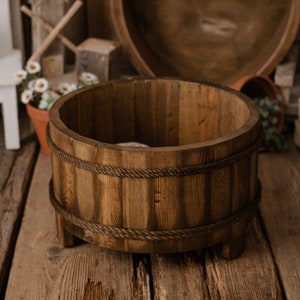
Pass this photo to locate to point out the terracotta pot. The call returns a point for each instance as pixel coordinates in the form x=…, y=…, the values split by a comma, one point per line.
x=259, y=86
x=40, y=119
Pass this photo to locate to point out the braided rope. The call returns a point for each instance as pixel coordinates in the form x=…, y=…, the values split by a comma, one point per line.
x=149, y=173
x=156, y=235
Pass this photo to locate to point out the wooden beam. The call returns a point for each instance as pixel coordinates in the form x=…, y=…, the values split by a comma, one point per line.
x=48, y=27
x=59, y=26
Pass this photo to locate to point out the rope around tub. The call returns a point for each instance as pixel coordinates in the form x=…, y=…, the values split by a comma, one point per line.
x=155, y=235
x=109, y=170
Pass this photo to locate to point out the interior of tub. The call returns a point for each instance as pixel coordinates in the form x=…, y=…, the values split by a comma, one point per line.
x=158, y=113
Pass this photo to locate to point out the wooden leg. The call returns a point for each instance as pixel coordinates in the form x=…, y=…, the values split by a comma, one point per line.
x=65, y=237
x=233, y=248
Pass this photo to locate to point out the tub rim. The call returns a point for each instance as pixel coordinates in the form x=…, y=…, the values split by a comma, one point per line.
x=251, y=123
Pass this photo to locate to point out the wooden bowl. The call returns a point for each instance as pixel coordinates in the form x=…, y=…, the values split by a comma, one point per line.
x=216, y=41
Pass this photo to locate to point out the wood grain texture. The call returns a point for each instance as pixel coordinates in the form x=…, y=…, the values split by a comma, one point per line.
x=239, y=278
x=268, y=268
x=280, y=175
x=177, y=119
x=82, y=272
x=15, y=175
x=100, y=57
x=203, y=275
x=216, y=41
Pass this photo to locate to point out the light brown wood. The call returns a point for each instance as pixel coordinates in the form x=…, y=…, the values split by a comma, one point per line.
x=219, y=41
x=57, y=273
x=203, y=275
x=280, y=212
x=88, y=271
x=268, y=268
x=16, y=168
x=177, y=119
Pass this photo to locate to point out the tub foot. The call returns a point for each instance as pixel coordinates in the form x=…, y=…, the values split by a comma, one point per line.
x=65, y=237
x=233, y=248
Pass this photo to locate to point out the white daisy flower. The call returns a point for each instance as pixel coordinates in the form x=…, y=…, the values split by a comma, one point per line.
x=20, y=76
x=65, y=88
x=41, y=85
x=33, y=67
x=88, y=78
x=26, y=96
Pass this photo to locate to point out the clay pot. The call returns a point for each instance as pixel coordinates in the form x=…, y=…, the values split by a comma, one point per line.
x=259, y=86
x=40, y=119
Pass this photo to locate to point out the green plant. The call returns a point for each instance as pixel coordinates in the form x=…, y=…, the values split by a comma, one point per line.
x=270, y=111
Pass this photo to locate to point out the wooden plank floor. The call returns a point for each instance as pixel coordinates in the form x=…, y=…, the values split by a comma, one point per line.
x=15, y=176
x=42, y=269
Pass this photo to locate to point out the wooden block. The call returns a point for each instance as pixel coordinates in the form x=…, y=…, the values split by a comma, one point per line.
x=100, y=57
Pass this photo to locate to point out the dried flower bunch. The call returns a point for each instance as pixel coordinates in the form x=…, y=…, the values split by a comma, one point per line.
x=36, y=90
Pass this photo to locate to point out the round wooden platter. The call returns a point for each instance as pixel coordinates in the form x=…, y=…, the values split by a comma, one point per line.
x=216, y=41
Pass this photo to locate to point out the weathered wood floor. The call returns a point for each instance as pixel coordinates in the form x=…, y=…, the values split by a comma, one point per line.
x=42, y=269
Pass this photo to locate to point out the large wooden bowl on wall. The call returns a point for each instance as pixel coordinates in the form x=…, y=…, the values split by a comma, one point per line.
x=217, y=41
